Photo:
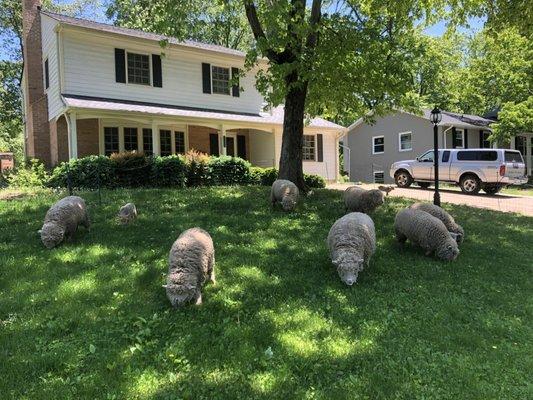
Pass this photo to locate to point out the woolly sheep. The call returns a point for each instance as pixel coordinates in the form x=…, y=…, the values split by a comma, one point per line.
x=285, y=192
x=127, y=213
x=351, y=242
x=361, y=200
x=441, y=214
x=62, y=220
x=191, y=262
x=426, y=231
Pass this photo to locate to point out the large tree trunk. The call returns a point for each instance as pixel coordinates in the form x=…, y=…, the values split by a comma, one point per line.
x=290, y=162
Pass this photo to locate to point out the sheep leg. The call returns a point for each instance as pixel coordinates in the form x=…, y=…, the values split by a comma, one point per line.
x=400, y=237
x=198, y=298
x=86, y=222
x=212, y=270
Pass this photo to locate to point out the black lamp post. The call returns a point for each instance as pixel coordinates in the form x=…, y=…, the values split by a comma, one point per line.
x=435, y=118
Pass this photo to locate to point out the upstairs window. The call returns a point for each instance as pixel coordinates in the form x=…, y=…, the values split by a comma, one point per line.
x=309, y=148
x=220, y=80
x=405, y=141
x=130, y=139
x=139, y=69
x=378, y=145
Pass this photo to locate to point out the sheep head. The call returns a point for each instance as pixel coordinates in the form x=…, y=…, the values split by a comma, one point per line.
x=180, y=293
x=348, y=266
x=288, y=203
x=52, y=234
x=377, y=198
x=448, y=250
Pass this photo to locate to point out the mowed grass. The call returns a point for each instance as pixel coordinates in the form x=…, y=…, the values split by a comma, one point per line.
x=90, y=320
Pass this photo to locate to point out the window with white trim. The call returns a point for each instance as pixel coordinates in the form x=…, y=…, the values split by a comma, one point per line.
x=459, y=139
x=165, y=138
x=378, y=144
x=220, y=77
x=180, y=142
x=485, y=144
x=379, y=177
x=111, y=140
x=139, y=68
x=309, y=148
x=130, y=139
x=147, y=141
x=404, y=141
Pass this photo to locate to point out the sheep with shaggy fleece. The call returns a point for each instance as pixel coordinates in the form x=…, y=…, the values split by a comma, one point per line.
x=360, y=200
x=62, y=220
x=351, y=242
x=441, y=214
x=426, y=231
x=127, y=213
x=284, y=192
x=191, y=263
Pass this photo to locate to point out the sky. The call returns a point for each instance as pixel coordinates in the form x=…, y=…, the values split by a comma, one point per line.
x=474, y=24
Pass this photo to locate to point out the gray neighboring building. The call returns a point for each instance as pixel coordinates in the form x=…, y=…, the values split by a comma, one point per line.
x=404, y=136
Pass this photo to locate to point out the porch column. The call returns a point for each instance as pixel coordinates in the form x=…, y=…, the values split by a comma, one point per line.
x=72, y=136
x=155, y=140
x=224, y=144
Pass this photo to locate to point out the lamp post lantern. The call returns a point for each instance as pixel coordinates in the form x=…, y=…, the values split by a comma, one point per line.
x=436, y=117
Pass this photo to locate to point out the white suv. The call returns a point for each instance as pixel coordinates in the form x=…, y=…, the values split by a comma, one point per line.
x=472, y=169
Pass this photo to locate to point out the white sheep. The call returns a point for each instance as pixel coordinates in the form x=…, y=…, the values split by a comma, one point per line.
x=441, y=214
x=62, y=220
x=127, y=213
x=361, y=200
x=426, y=231
x=285, y=192
x=351, y=242
x=191, y=263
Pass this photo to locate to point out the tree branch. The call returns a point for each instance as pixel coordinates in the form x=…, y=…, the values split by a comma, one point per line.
x=314, y=20
x=257, y=30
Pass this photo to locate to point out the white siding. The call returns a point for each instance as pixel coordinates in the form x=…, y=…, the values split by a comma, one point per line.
x=49, y=44
x=90, y=70
x=262, y=148
x=326, y=168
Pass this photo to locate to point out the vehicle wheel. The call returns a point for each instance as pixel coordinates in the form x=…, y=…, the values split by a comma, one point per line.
x=470, y=184
x=423, y=185
x=403, y=179
x=492, y=189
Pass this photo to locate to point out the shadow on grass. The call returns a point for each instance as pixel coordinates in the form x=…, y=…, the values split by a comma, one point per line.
x=279, y=323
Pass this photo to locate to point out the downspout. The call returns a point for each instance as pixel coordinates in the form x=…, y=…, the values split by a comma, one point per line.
x=59, y=51
x=444, y=136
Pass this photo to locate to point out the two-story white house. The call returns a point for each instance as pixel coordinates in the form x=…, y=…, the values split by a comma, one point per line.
x=93, y=88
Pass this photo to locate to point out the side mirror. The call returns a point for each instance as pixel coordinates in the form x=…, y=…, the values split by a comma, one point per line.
x=417, y=159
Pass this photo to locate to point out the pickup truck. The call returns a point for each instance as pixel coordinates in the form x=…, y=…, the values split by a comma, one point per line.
x=471, y=169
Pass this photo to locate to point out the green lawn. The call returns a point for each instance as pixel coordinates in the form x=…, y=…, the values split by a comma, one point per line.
x=90, y=320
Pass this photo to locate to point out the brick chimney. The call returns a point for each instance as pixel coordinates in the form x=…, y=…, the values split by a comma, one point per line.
x=36, y=102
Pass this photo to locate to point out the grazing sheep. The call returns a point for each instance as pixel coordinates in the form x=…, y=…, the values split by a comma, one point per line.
x=361, y=200
x=127, y=213
x=426, y=231
x=386, y=189
x=62, y=220
x=441, y=214
x=285, y=192
x=351, y=242
x=191, y=262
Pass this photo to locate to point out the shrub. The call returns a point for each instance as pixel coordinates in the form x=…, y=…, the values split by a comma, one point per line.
x=267, y=176
x=197, y=163
x=32, y=174
x=168, y=171
x=314, y=181
x=227, y=170
x=88, y=173
x=132, y=169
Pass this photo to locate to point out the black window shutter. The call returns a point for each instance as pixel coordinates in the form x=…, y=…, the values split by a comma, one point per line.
x=46, y=75
x=235, y=88
x=454, y=141
x=156, y=70
x=120, y=65
x=241, y=146
x=206, y=77
x=213, y=144
x=466, y=138
x=320, y=147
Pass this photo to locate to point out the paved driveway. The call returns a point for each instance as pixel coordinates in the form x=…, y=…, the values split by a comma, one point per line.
x=498, y=202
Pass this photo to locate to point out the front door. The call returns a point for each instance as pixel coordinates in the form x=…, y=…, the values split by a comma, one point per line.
x=230, y=146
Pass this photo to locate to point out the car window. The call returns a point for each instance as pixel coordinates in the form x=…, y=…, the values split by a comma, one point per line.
x=488, y=155
x=467, y=155
x=446, y=156
x=482, y=155
x=426, y=157
x=513, y=156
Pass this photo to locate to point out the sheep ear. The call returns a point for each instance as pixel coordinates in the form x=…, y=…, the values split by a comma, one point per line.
x=454, y=236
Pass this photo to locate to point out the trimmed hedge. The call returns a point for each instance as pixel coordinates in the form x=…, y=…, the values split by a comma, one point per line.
x=137, y=170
